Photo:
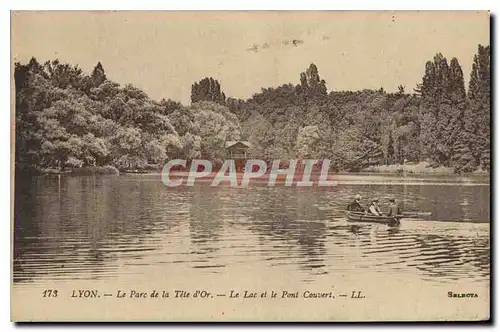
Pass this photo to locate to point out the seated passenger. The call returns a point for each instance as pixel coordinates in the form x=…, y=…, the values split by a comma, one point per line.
x=374, y=208
x=393, y=209
x=355, y=206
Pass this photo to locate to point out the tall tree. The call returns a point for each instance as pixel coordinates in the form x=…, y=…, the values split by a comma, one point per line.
x=208, y=89
x=311, y=84
x=428, y=110
x=456, y=140
x=98, y=75
x=477, y=122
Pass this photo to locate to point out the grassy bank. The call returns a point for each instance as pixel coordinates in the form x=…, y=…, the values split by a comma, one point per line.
x=420, y=168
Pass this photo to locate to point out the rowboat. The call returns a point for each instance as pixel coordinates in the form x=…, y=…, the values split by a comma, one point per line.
x=362, y=217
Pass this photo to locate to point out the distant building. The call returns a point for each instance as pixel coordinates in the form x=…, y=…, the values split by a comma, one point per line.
x=237, y=150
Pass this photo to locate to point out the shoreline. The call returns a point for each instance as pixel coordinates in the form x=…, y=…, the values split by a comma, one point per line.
x=421, y=168
x=397, y=170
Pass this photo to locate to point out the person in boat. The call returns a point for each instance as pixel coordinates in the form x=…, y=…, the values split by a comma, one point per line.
x=374, y=209
x=355, y=206
x=393, y=209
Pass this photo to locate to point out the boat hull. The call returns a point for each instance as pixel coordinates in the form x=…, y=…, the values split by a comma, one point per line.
x=361, y=217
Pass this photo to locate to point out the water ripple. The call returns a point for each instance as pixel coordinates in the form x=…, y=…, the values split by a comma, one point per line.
x=127, y=227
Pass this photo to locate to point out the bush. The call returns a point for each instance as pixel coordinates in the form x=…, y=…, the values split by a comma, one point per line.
x=95, y=170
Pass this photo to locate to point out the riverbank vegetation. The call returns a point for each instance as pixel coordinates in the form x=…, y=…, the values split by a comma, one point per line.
x=421, y=168
x=67, y=119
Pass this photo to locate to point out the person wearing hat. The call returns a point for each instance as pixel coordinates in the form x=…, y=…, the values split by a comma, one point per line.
x=393, y=209
x=355, y=206
x=374, y=208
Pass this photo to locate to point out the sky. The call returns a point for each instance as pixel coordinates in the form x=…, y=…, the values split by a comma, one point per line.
x=164, y=53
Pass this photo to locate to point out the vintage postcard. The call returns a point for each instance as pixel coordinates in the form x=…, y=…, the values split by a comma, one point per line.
x=251, y=166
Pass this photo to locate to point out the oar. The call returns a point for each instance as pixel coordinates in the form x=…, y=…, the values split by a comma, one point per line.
x=416, y=214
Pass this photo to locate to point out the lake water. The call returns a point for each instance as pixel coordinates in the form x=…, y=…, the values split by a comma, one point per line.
x=130, y=232
x=131, y=226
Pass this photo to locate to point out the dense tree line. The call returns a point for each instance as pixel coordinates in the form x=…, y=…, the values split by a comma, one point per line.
x=439, y=123
x=66, y=118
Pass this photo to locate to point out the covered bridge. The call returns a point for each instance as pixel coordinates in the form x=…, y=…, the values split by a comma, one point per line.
x=237, y=149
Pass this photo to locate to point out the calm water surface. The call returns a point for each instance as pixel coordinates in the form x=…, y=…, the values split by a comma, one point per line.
x=130, y=227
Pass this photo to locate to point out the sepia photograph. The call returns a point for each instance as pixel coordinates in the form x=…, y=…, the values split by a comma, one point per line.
x=263, y=166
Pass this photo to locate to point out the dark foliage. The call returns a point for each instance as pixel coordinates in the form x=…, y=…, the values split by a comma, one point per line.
x=68, y=119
